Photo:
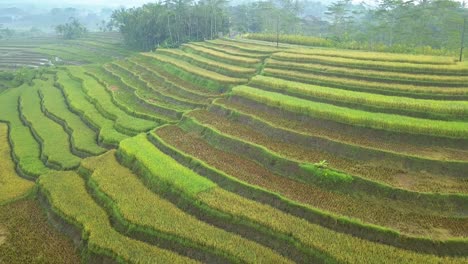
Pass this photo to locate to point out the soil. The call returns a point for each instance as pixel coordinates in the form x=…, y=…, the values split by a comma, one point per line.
x=405, y=217
x=114, y=88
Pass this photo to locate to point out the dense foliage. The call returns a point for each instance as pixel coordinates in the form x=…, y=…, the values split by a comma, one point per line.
x=71, y=30
x=432, y=27
x=171, y=23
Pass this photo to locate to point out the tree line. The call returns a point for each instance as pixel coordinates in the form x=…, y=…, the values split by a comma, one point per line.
x=171, y=23
x=398, y=25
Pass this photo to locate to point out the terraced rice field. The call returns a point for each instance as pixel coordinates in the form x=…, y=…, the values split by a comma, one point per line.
x=50, y=50
x=234, y=151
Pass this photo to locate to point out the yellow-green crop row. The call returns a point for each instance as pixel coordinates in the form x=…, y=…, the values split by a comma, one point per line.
x=230, y=51
x=342, y=247
x=223, y=68
x=153, y=87
x=124, y=96
x=177, y=91
x=457, y=69
x=426, y=79
x=83, y=138
x=12, y=186
x=98, y=95
x=377, y=56
x=397, y=123
x=242, y=46
x=353, y=84
x=66, y=193
x=26, y=150
x=77, y=101
x=222, y=79
x=189, y=89
x=222, y=56
x=292, y=39
x=148, y=210
x=54, y=140
x=458, y=109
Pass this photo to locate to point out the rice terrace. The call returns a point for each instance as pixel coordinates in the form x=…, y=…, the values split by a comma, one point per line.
x=165, y=137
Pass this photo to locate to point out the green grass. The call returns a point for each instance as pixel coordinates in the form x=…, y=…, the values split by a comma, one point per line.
x=354, y=117
x=363, y=84
x=26, y=149
x=458, y=69
x=100, y=97
x=53, y=138
x=151, y=213
x=457, y=109
x=77, y=101
x=83, y=138
x=12, y=186
x=66, y=192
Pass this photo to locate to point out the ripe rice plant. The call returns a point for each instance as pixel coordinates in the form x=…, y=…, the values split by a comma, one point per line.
x=377, y=56
x=221, y=56
x=230, y=51
x=186, y=87
x=292, y=39
x=457, y=69
x=363, y=85
x=243, y=46
x=153, y=87
x=383, y=76
x=458, y=109
x=124, y=96
x=325, y=242
x=54, y=140
x=152, y=214
x=197, y=71
x=356, y=117
x=66, y=193
x=213, y=65
x=13, y=187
